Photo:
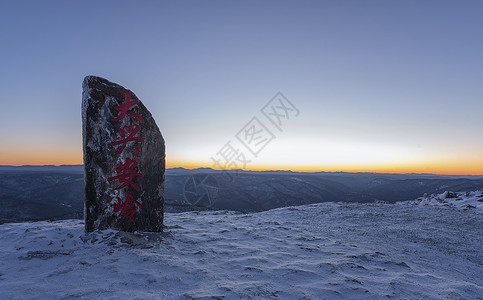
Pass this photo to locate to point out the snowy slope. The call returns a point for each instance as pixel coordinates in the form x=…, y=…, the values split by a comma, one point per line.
x=464, y=200
x=320, y=251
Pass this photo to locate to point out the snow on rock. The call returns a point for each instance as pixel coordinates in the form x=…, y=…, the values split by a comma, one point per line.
x=124, y=160
x=320, y=251
x=464, y=200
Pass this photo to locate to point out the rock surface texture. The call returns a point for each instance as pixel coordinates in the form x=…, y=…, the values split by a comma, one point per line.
x=124, y=160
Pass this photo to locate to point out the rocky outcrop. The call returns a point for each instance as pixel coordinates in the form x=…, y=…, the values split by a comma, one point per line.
x=124, y=160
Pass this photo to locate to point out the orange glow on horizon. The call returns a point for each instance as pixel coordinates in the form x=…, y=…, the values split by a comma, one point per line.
x=443, y=168
x=39, y=158
x=421, y=168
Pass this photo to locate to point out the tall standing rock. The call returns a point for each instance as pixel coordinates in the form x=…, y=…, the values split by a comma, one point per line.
x=124, y=160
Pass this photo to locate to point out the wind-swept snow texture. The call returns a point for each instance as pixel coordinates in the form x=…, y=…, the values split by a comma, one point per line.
x=464, y=200
x=320, y=251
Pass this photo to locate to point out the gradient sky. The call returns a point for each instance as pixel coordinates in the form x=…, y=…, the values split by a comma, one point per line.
x=387, y=86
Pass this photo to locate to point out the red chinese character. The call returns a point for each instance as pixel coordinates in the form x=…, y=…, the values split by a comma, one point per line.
x=127, y=208
x=126, y=174
x=126, y=106
x=132, y=131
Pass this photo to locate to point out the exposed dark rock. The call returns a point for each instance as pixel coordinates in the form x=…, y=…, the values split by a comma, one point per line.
x=124, y=159
x=450, y=195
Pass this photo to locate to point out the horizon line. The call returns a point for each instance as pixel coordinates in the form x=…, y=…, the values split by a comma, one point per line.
x=263, y=170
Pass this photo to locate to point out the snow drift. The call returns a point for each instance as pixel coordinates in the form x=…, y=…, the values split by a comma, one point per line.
x=320, y=251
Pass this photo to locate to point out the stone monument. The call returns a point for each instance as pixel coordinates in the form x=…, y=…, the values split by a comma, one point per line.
x=124, y=160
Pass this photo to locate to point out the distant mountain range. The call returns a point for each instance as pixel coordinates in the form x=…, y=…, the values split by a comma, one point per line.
x=56, y=192
x=44, y=168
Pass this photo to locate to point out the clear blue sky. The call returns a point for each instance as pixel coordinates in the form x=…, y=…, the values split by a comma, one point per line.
x=380, y=85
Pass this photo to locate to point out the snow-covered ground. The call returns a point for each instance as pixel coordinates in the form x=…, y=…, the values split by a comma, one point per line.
x=465, y=200
x=320, y=251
